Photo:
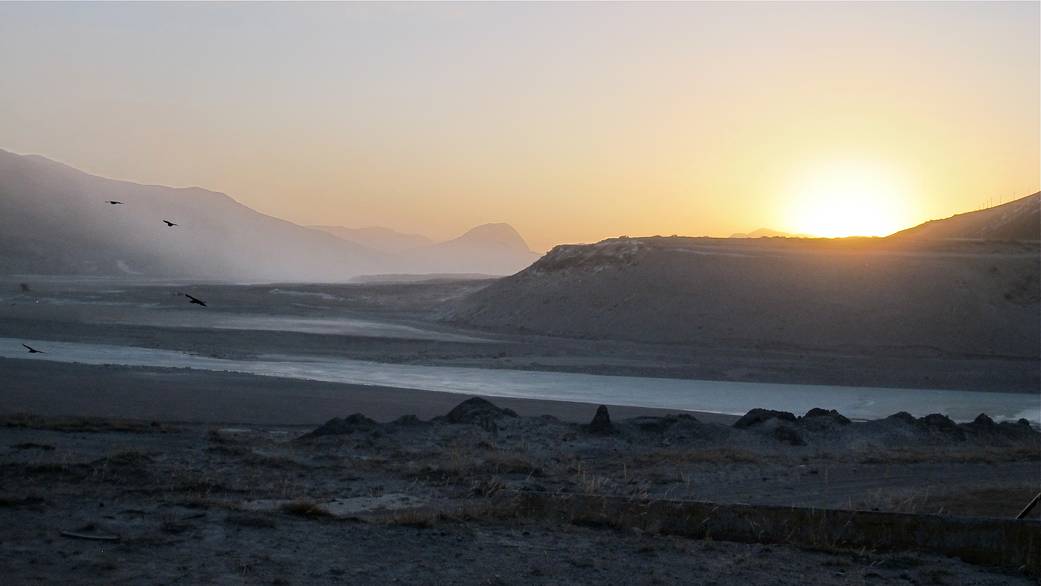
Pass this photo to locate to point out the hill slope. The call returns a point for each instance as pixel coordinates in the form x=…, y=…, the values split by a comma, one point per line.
x=54, y=219
x=1016, y=220
x=855, y=293
x=491, y=249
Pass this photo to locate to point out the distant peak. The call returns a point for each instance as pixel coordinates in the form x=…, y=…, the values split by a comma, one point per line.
x=499, y=233
x=766, y=233
x=495, y=228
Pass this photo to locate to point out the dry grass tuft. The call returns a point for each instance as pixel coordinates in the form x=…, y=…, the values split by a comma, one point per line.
x=83, y=424
x=256, y=521
x=477, y=510
x=986, y=455
x=306, y=508
x=710, y=455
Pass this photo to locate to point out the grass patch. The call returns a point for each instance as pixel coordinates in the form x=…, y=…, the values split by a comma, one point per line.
x=478, y=510
x=16, y=502
x=83, y=424
x=33, y=446
x=985, y=455
x=249, y=520
x=710, y=455
x=306, y=508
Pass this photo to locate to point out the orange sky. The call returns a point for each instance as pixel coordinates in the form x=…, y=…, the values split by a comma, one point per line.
x=572, y=122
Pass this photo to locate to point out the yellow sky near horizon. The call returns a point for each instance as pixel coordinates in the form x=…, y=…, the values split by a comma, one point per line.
x=573, y=122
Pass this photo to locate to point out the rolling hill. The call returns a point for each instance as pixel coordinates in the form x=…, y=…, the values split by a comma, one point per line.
x=1016, y=220
x=960, y=298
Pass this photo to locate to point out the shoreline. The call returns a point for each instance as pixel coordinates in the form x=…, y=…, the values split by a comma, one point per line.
x=707, y=397
x=390, y=383
x=198, y=396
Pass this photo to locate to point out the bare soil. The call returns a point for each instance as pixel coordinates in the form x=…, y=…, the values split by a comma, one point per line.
x=414, y=500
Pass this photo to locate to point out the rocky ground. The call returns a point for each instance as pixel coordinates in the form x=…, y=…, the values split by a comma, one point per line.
x=411, y=500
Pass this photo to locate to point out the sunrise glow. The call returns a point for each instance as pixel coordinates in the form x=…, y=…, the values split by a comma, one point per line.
x=849, y=199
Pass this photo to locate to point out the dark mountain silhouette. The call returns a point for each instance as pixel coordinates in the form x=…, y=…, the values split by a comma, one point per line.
x=1016, y=220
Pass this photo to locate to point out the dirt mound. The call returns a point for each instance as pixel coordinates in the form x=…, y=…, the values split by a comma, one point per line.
x=902, y=417
x=407, y=421
x=662, y=424
x=833, y=415
x=935, y=422
x=985, y=430
x=343, y=426
x=787, y=434
x=758, y=416
x=477, y=411
x=601, y=423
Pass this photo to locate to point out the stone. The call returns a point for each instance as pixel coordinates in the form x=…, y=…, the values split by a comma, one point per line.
x=344, y=426
x=601, y=423
x=758, y=416
x=476, y=410
x=832, y=414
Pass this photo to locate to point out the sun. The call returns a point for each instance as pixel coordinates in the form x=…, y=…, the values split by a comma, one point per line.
x=848, y=199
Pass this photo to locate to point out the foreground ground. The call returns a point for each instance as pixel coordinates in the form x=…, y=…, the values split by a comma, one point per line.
x=238, y=481
x=415, y=501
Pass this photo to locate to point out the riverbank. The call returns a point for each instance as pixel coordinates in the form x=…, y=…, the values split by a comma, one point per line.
x=181, y=394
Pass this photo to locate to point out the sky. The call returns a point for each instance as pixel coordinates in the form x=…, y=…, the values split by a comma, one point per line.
x=573, y=122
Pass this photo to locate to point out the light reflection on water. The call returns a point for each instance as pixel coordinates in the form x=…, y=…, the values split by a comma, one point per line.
x=681, y=394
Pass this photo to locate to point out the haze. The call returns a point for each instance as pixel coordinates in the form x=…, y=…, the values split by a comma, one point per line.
x=520, y=293
x=571, y=122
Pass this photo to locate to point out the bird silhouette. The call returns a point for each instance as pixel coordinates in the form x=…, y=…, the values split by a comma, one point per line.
x=114, y=202
x=33, y=350
x=169, y=224
x=195, y=300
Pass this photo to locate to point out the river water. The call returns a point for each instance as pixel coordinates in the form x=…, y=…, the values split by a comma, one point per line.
x=681, y=394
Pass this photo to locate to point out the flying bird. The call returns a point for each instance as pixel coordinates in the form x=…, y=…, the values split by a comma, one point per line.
x=113, y=202
x=169, y=224
x=195, y=301
x=33, y=350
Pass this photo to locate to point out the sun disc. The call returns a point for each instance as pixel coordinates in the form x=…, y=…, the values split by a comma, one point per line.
x=848, y=200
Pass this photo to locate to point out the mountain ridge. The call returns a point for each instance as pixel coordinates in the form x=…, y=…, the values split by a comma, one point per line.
x=54, y=220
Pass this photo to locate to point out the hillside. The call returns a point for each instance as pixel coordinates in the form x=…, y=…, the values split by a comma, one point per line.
x=1016, y=220
x=54, y=219
x=489, y=249
x=855, y=293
